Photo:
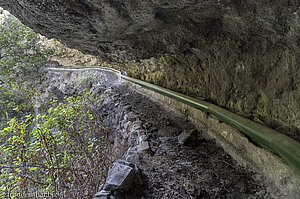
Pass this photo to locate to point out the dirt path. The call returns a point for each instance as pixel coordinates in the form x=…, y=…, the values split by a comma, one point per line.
x=198, y=169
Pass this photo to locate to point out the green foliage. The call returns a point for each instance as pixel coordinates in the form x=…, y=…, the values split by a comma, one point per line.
x=21, y=60
x=21, y=55
x=16, y=100
x=87, y=80
x=65, y=149
x=8, y=102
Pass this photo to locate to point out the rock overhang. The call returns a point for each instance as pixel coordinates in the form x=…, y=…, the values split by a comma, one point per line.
x=242, y=55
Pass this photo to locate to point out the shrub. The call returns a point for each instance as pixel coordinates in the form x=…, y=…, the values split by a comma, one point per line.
x=64, y=151
x=21, y=54
x=21, y=59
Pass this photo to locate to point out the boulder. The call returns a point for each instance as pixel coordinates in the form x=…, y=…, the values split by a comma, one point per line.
x=188, y=137
x=121, y=177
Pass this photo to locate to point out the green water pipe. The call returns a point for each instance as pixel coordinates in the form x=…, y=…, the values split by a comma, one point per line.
x=284, y=146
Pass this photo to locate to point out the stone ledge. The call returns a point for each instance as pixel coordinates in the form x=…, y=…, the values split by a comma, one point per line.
x=282, y=180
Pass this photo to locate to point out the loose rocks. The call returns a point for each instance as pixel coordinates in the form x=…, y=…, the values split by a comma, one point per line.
x=188, y=137
x=121, y=177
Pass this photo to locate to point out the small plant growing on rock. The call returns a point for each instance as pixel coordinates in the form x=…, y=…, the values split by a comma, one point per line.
x=87, y=80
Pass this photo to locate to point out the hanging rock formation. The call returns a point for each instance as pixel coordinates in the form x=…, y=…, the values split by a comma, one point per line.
x=240, y=54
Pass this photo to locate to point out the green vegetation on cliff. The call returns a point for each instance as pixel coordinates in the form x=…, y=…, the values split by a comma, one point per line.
x=56, y=152
x=60, y=150
x=21, y=59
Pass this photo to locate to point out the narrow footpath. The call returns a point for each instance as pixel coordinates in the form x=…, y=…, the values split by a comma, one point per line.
x=172, y=164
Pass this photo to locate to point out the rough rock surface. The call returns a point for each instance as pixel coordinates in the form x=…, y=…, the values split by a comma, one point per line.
x=199, y=170
x=67, y=56
x=121, y=178
x=242, y=55
x=170, y=170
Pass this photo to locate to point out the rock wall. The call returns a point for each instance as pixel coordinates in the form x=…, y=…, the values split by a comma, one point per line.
x=242, y=55
x=68, y=57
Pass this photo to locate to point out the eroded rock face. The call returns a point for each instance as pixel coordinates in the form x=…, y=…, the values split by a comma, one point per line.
x=242, y=55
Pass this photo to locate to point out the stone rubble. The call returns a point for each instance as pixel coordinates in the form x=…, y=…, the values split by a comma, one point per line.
x=165, y=157
x=175, y=162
